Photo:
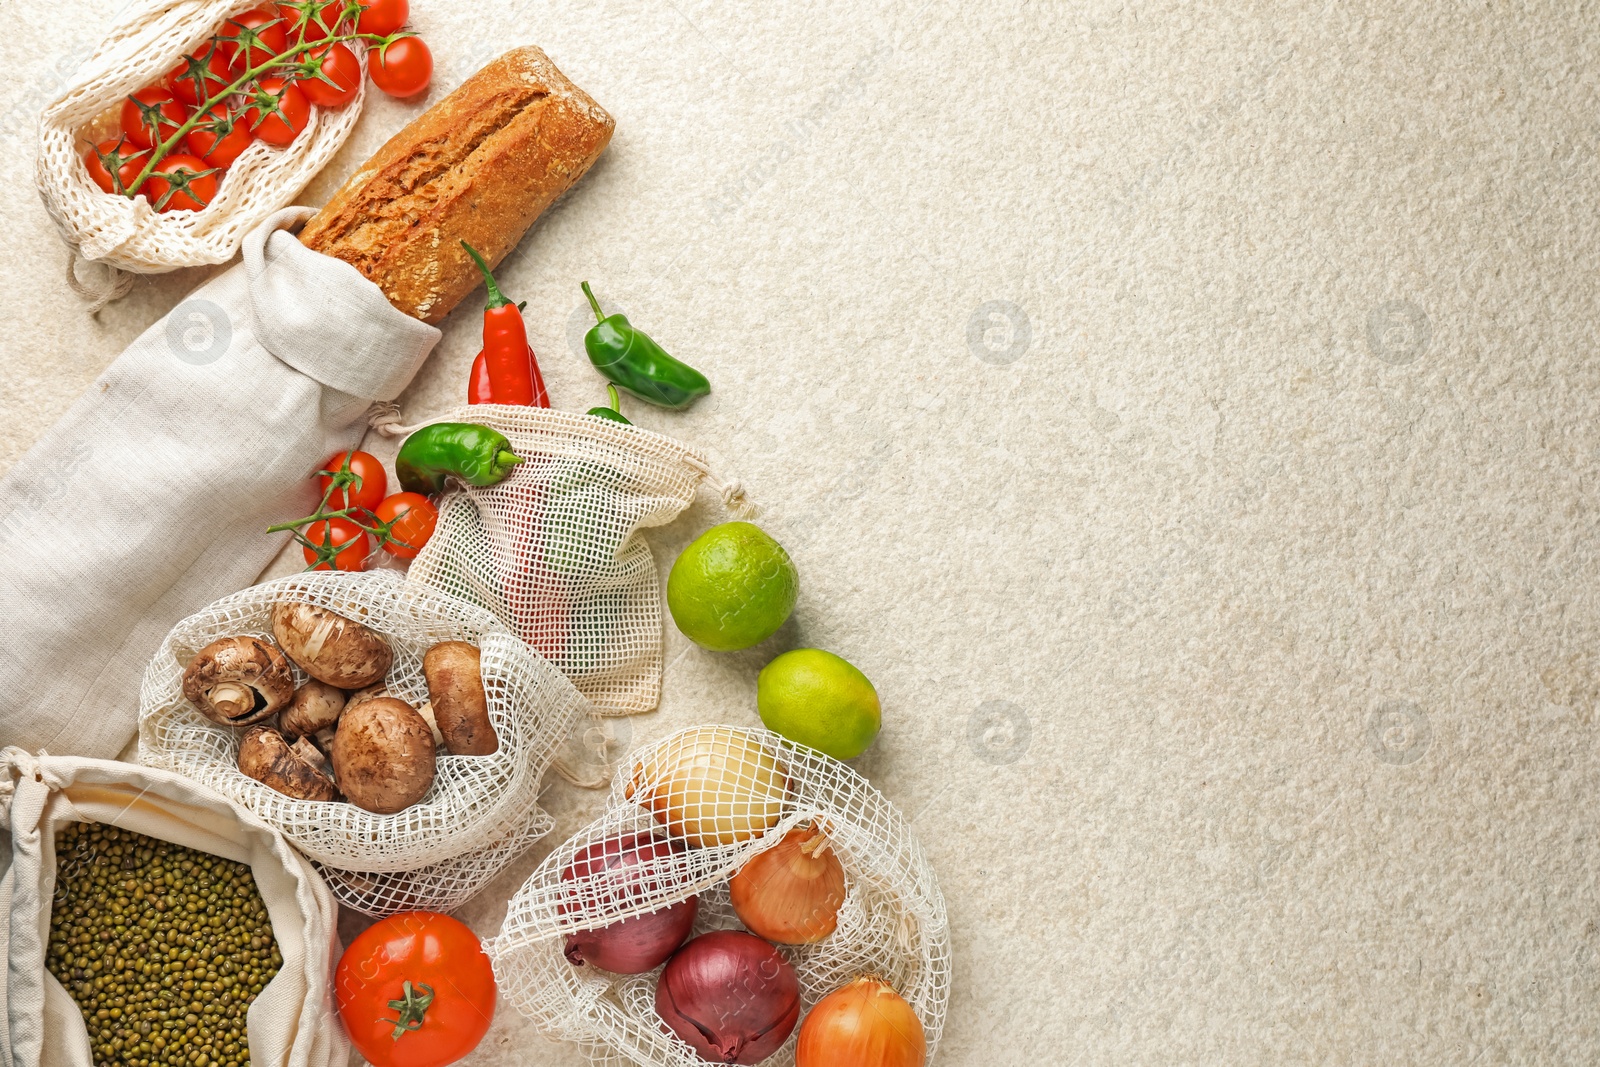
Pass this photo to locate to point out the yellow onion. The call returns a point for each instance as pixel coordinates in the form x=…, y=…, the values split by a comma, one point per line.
x=714, y=785
x=791, y=893
x=865, y=1024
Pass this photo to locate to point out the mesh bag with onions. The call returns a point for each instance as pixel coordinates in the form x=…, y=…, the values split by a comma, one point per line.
x=149, y=38
x=479, y=813
x=555, y=549
x=710, y=799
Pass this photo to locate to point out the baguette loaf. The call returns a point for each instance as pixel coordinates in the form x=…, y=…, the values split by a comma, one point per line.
x=479, y=166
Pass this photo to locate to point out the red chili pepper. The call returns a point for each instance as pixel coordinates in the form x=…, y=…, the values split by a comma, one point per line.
x=479, y=389
x=512, y=373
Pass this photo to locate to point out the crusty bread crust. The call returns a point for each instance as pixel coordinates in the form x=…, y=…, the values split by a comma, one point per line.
x=479, y=166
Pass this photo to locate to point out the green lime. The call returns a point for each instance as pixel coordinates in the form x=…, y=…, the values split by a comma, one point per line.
x=733, y=587
x=819, y=700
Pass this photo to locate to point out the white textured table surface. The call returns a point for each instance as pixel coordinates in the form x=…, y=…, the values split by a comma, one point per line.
x=1187, y=416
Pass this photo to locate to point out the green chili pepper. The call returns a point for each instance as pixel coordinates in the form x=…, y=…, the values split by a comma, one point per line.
x=475, y=454
x=629, y=358
x=614, y=412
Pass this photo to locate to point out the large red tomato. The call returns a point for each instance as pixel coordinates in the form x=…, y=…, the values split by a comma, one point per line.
x=415, y=990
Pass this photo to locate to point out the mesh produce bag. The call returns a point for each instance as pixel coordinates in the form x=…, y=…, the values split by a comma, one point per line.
x=480, y=810
x=148, y=39
x=892, y=924
x=447, y=884
x=292, y=1021
x=555, y=550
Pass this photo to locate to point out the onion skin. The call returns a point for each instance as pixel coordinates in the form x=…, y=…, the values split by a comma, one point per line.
x=715, y=785
x=634, y=945
x=865, y=1024
x=730, y=996
x=792, y=892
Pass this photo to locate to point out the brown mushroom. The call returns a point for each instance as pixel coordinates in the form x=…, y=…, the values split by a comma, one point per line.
x=238, y=681
x=315, y=707
x=381, y=689
x=294, y=770
x=460, y=706
x=330, y=647
x=383, y=755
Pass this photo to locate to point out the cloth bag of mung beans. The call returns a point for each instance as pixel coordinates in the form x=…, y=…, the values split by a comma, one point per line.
x=54, y=960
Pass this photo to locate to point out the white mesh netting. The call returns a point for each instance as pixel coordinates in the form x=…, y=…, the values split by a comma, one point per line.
x=480, y=812
x=555, y=550
x=892, y=924
x=148, y=39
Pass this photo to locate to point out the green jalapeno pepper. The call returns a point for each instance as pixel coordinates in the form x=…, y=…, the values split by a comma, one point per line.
x=629, y=358
x=614, y=412
x=475, y=454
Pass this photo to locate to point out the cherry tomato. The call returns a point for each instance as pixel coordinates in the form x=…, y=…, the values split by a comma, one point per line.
x=434, y=954
x=334, y=533
x=319, y=18
x=383, y=17
x=267, y=25
x=150, y=112
x=278, y=111
x=402, y=69
x=221, y=137
x=417, y=517
x=339, y=64
x=372, y=488
x=134, y=160
x=192, y=184
x=207, y=70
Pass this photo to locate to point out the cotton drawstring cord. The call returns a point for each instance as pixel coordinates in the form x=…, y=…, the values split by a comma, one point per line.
x=597, y=740
x=384, y=416
x=109, y=282
x=733, y=494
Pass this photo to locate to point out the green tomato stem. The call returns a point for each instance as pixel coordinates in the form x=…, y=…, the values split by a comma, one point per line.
x=411, y=1009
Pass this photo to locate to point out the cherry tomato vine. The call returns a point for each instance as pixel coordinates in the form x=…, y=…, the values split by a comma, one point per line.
x=334, y=537
x=276, y=112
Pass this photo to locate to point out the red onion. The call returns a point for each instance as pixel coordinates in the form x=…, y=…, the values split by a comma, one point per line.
x=730, y=995
x=638, y=944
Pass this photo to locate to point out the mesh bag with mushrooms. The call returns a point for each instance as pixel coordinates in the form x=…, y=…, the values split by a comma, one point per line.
x=556, y=550
x=690, y=813
x=251, y=696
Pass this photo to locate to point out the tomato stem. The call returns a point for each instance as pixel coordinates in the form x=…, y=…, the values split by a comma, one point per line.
x=411, y=1010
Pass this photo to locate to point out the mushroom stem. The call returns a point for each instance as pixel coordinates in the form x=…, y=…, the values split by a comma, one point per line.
x=233, y=699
